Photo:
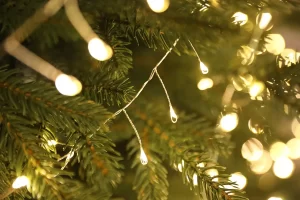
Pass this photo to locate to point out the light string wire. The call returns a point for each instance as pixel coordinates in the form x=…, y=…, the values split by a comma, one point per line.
x=195, y=51
x=146, y=82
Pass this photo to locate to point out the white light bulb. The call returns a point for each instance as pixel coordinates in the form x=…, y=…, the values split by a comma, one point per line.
x=68, y=85
x=256, y=88
x=239, y=179
x=20, y=182
x=158, y=6
x=279, y=150
x=173, y=115
x=263, y=164
x=205, y=83
x=229, y=122
x=283, y=168
x=275, y=44
x=265, y=20
x=252, y=149
x=99, y=49
x=240, y=18
x=143, y=157
x=52, y=143
x=195, y=179
x=203, y=68
x=294, y=148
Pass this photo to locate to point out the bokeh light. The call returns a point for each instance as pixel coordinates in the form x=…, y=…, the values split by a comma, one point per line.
x=263, y=164
x=239, y=179
x=255, y=127
x=256, y=88
x=99, y=49
x=213, y=173
x=275, y=198
x=205, y=83
x=252, y=149
x=158, y=6
x=240, y=18
x=294, y=148
x=68, y=85
x=275, y=43
x=20, y=182
x=279, y=150
x=229, y=122
x=283, y=168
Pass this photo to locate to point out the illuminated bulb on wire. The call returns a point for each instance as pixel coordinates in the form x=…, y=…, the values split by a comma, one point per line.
x=195, y=179
x=240, y=18
x=203, y=68
x=52, y=143
x=213, y=173
x=158, y=6
x=99, y=49
x=143, y=157
x=173, y=115
x=205, y=83
x=20, y=182
x=229, y=122
x=283, y=168
x=68, y=85
x=265, y=20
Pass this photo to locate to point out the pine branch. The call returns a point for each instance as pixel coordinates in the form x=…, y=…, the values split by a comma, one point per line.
x=44, y=103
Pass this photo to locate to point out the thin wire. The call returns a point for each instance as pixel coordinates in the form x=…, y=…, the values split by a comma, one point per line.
x=195, y=50
x=134, y=128
x=144, y=85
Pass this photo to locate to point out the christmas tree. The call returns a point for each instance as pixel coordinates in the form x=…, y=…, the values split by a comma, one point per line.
x=133, y=99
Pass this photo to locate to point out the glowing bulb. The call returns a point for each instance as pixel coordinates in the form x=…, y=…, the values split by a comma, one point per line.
x=275, y=44
x=195, y=179
x=279, y=150
x=229, y=122
x=294, y=148
x=275, y=198
x=239, y=179
x=205, y=83
x=173, y=115
x=256, y=88
x=99, y=49
x=203, y=68
x=68, y=85
x=20, y=182
x=263, y=164
x=240, y=18
x=143, y=157
x=265, y=20
x=158, y=6
x=252, y=149
x=179, y=167
x=283, y=168
x=52, y=143
x=255, y=127
x=213, y=173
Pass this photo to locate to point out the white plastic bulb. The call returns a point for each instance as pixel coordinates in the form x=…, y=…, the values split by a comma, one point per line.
x=99, y=49
x=205, y=83
x=203, y=68
x=68, y=85
x=158, y=6
x=173, y=115
x=240, y=18
x=265, y=20
x=143, y=157
x=20, y=182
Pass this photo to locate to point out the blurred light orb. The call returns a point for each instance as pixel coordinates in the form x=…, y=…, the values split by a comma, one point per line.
x=294, y=148
x=229, y=122
x=256, y=88
x=263, y=20
x=52, y=143
x=263, y=164
x=255, y=127
x=279, y=150
x=239, y=179
x=240, y=18
x=275, y=43
x=283, y=168
x=252, y=149
x=212, y=173
x=158, y=6
x=295, y=126
x=99, y=49
x=247, y=54
x=275, y=198
x=205, y=84
x=20, y=182
x=68, y=85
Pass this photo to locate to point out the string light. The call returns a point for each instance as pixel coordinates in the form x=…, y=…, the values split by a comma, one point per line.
x=275, y=43
x=229, y=122
x=21, y=181
x=99, y=49
x=264, y=20
x=283, y=168
x=256, y=88
x=240, y=18
x=294, y=148
x=295, y=126
x=158, y=6
x=279, y=150
x=252, y=149
x=205, y=84
x=68, y=85
x=239, y=179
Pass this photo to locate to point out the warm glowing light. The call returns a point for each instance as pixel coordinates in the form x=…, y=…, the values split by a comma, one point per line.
x=247, y=54
x=283, y=168
x=143, y=157
x=275, y=198
x=203, y=68
x=279, y=150
x=202, y=164
x=229, y=122
x=212, y=173
x=205, y=83
x=99, y=49
x=240, y=18
x=195, y=179
x=239, y=179
x=256, y=88
x=295, y=126
x=275, y=43
x=179, y=167
x=263, y=164
x=294, y=148
x=68, y=85
x=173, y=115
x=265, y=20
x=52, y=143
x=20, y=182
x=254, y=127
x=252, y=149
x=158, y=6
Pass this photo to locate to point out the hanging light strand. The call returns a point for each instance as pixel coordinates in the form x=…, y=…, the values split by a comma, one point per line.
x=203, y=67
x=145, y=83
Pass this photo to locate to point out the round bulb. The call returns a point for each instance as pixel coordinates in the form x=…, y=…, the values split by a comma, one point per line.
x=264, y=20
x=68, y=85
x=20, y=182
x=173, y=115
x=275, y=43
x=229, y=122
x=255, y=127
x=143, y=157
x=283, y=168
x=279, y=150
x=99, y=49
x=158, y=6
x=205, y=83
x=294, y=148
x=239, y=179
x=252, y=149
x=240, y=18
x=263, y=164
